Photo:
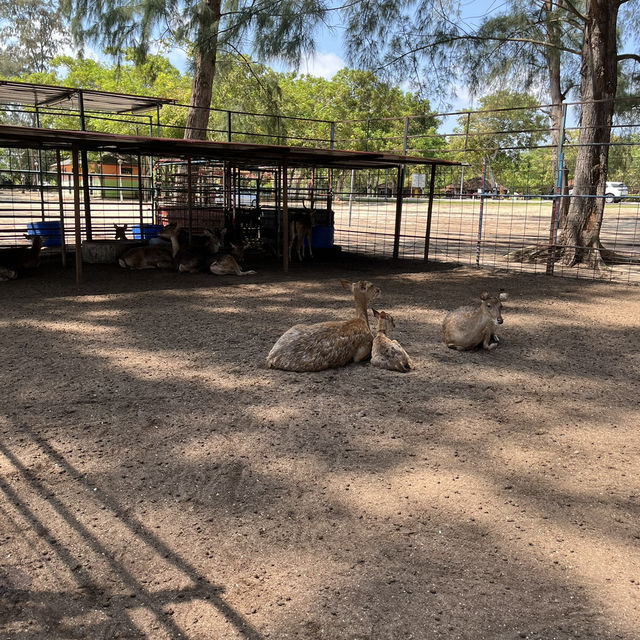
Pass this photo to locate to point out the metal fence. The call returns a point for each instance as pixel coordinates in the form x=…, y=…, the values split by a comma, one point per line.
x=496, y=210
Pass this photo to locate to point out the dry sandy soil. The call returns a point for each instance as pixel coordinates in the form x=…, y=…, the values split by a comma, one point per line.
x=157, y=481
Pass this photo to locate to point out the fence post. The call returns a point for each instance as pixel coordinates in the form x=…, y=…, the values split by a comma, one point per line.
x=484, y=174
x=464, y=156
x=396, y=235
x=405, y=138
x=427, y=233
x=228, y=126
x=559, y=195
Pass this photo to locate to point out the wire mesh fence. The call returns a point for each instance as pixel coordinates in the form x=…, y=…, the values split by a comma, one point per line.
x=499, y=209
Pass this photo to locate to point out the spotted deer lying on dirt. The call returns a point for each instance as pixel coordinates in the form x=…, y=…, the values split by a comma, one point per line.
x=227, y=263
x=299, y=230
x=146, y=258
x=387, y=353
x=468, y=327
x=325, y=345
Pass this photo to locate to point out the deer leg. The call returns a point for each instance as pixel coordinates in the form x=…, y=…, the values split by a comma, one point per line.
x=309, y=243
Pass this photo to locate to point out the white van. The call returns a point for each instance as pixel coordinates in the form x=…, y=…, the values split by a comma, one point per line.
x=615, y=191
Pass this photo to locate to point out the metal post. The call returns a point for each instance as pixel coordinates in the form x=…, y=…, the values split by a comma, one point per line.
x=332, y=134
x=63, y=245
x=466, y=141
x=76, y=207
x=40, y=177
x=189, y=199
x=559, y=195
x=484, y=172
x=285, y=219
x=396, y=235
x=229, y=126
x=405, y=141
x=427, y=234
x=353, y=178
x=85, y=171
x=140, y=194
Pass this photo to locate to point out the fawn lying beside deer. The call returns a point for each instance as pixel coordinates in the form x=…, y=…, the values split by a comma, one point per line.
x=387, y=353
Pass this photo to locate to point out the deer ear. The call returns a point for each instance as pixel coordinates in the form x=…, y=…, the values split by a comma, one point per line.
x=346, y=284
x=125, y=226
x=503, y=296
x=376, y=314
x=484, y=295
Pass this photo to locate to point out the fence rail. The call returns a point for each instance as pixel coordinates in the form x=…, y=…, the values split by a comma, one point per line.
x=502, y=218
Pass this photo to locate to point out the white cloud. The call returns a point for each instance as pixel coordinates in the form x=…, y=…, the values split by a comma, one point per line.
x=323, y=65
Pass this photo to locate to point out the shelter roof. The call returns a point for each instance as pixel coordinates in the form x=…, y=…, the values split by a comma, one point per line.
x=241, y=154
x=41, y=95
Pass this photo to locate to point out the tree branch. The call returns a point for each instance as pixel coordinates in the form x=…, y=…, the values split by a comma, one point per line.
x=453, y=39
x=628, y=56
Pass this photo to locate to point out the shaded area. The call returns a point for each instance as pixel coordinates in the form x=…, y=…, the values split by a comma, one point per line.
x=158, y=481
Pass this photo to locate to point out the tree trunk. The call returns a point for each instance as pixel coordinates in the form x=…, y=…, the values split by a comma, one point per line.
x=552, y=55
x=580, y=235
x=204, y=72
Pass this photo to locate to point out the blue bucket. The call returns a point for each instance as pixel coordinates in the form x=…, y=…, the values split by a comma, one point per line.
x=51, y=231
x=149, y=231
x=321, y=237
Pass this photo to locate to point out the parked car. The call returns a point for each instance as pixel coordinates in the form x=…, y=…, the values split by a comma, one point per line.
x=615, y=191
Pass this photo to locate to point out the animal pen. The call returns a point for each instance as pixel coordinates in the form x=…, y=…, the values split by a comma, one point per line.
x=250, y=188
x=366, y=200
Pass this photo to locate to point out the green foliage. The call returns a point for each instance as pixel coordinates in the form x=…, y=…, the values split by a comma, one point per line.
x=505, y=130
x=32, y=32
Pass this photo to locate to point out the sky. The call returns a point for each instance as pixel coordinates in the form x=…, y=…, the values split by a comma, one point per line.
x=330, y=56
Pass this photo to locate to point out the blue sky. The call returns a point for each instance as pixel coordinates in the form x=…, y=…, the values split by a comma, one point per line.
x=330, y=56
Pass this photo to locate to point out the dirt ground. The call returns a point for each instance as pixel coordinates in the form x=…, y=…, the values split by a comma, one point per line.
x=158, y=482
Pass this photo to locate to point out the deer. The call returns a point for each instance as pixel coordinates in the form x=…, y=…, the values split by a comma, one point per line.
x=146, y=258
x=470, y=326
x=326, y=345
x=121, y=231
x=299, y=230
x=7, y=274
x=17, y=260
x=387, y=353
x=192, y=258
x=226, y=263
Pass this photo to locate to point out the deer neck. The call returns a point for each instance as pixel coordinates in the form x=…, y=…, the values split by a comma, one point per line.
x=362, y=310
x=175, y=245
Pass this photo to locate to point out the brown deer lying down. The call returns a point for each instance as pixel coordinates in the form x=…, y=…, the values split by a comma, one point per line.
x=470, y=326
x=16, y=261
x=387, y=353
x=227, y=263
x=330, y=344
x=191, y=258
x=299, y=229
x=146, y=258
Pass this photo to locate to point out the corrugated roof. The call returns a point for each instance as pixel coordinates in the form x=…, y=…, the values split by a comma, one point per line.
x=241, y=154
x=41, y=95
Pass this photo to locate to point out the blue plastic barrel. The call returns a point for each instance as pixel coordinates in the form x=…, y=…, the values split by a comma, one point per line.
x=321, y=237
x=50, y=230
x=149, y=231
